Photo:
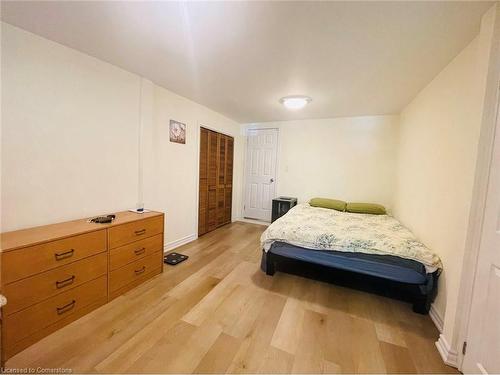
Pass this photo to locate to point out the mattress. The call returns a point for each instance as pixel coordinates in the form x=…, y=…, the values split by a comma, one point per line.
x=329, y=230
x=383, y=266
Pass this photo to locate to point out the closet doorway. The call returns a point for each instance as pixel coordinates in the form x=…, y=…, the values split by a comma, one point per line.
x=216, y=180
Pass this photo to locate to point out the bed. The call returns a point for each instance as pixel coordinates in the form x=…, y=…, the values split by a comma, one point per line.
x=376, y=247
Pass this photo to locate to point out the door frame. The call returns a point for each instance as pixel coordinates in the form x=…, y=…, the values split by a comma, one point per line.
x=488, y=129
x=245, y=158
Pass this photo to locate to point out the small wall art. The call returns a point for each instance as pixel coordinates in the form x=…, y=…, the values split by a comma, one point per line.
x=177, y=132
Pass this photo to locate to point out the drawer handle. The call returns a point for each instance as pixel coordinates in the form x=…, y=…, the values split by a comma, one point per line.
x=140, y=251
x=141, y=270
x=65, y=308
x=66, y=254
x=66, y=282
x=139, y=232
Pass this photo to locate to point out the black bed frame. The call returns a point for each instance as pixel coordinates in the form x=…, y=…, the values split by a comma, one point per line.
x=421, y=296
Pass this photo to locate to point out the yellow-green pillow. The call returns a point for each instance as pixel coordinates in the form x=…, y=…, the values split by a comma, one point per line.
x=366, y=208
x=333, y=204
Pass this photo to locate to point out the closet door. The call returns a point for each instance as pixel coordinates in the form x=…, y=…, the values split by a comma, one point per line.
x=203, y=184
x=228, y=189
x=216, y=180
x=212, y=180
x=221, y=178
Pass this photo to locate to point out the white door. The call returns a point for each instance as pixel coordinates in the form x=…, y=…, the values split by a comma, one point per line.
x=260, y=181
x=483, y=337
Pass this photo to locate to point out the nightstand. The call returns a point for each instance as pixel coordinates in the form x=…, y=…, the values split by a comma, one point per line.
x=281, y=206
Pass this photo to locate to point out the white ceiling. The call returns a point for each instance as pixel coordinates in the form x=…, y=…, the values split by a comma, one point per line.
x=239, y=58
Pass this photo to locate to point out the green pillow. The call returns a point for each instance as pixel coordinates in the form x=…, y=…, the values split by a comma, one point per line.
x=333, y=204
x=366, y=208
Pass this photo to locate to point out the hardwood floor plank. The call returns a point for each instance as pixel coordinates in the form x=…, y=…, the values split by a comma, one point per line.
x=309, y=358
x=276, y=361
x=253, y=301
x=341, y=343
x=229, y=309
x=331, y=368
x=367, y=354
x=202, y=311
x=255, y=345
x=158, y=357
x=286, y=336
x=390, y=333
x=318, y=297
x=193, y=351
x=223, y=265
x=219, y=356
x=283, y=283
x=397, y=359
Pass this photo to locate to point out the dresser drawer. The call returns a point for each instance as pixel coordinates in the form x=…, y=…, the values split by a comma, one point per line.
x=120, y=256
x=35, y=318
x=137, y=230
x=28, y=261
x=37, y=288
x=129, y=273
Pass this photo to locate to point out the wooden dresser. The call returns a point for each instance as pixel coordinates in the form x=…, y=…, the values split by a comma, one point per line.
x=54, y=274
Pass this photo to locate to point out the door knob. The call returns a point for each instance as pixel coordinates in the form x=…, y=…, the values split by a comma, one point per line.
x=272, y=180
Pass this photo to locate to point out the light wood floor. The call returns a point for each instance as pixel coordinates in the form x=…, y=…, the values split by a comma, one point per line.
x=219, y=313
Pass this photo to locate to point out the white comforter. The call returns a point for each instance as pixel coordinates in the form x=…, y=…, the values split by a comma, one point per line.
x=325, y=229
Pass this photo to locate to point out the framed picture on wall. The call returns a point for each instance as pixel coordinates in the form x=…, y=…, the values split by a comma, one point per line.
x=177, y=132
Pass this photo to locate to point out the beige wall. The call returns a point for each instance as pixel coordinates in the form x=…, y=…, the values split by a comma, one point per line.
x=171, y=169
x=439, y=134
x=69, y=133
x=70, y=140
x=350, y=158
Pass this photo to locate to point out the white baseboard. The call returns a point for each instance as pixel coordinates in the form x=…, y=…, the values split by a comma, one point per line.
x=450, y=356
x=253, y=221
x=181, y=241
x=436, y=318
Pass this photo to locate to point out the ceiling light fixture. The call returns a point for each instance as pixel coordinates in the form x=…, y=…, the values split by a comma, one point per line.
x=295, y=102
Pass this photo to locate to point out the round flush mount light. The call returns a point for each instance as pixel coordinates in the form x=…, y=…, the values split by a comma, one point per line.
x=295, y=102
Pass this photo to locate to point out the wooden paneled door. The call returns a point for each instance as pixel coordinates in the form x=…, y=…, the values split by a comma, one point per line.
x=228, y=187
x=216, y=180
